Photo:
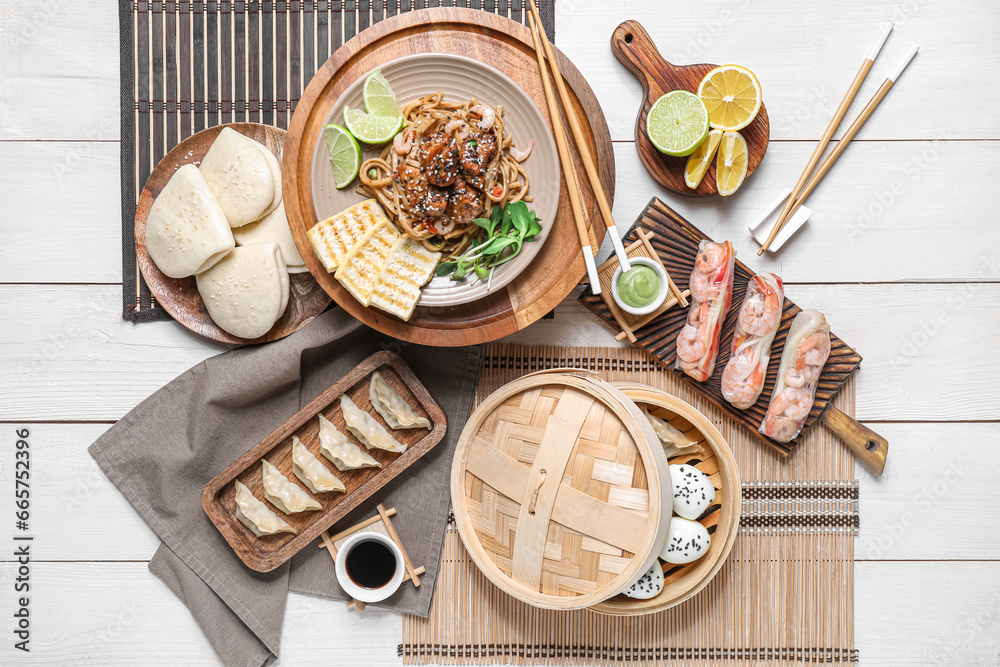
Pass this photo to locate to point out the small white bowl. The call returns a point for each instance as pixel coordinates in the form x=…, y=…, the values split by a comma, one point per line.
x=657, y=302
x=369, y=594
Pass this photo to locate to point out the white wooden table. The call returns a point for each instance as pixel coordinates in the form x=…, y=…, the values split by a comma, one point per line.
x=902, y=254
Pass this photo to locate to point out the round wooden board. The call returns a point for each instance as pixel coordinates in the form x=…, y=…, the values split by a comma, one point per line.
x=507, y=46
x=179, y=296
x=682, y=582
x=632, y=45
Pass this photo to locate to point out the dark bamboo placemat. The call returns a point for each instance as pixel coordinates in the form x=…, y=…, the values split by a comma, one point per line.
x=784, y=597
x=190, y=65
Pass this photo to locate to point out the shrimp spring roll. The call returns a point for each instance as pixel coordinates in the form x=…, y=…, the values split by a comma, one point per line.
x=711, y=286
x=760, y=315
x=806, y=351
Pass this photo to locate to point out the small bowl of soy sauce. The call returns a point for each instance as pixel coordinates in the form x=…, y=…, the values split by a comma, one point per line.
x=369, y=567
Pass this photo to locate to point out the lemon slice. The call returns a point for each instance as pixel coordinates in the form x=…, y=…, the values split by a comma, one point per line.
x=732, y=95
x=698, y=161
x=731, y=164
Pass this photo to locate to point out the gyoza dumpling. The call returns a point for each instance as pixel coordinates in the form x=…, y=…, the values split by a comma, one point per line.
x=344, y=453
x=396, y=412
x=366, y=429
x=674, y=442
x=313, y=474
x=285, y=494
x=257, y=516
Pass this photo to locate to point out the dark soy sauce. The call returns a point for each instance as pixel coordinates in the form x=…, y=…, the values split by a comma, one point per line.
x=370, y=564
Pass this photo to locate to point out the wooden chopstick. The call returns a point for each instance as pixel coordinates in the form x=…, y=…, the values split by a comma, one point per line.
x=855, y=126
x=569, y=169
x=859, y=78
x=581, y=142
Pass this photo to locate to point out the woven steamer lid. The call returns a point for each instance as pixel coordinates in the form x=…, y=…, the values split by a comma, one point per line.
x=557, y=491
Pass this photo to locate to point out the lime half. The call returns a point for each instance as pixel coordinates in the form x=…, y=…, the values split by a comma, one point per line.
x=345, y=154
x=677, y=123
x=379, y=98
x=372, y=129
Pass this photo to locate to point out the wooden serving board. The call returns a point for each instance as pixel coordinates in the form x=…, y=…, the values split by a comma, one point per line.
x=632, y=45
x=676, y=242
x=502, y=44
x=179, y=296
x=267, y=552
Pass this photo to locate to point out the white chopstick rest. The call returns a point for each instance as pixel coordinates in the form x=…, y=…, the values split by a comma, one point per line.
x=903, y=63
x=595, y=280
x=880, y=41
x=616, y=241
x=759, y=229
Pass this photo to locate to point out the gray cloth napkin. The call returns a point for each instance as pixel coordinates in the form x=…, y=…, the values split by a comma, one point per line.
x=161, y=454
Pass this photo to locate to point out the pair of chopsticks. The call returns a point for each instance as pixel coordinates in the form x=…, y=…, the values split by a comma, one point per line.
x=543, y=50
x=802, y=188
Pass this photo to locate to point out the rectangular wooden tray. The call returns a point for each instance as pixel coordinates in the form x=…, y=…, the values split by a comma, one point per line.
x=267, y=552
x=676, y=242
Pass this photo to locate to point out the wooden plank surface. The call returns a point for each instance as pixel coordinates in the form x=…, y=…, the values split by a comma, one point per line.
x=889, y=208
x=888, y=242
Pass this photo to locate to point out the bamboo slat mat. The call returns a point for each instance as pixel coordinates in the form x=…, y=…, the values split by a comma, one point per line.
x=785, y=596
x=186, y=66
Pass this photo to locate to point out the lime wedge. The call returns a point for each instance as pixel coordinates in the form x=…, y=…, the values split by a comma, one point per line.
x=370, y=128
x=677, y=123
x=379, y=98
x=345, y=154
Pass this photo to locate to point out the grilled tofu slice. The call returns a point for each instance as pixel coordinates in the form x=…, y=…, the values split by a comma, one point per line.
x=334, y=237
x=397, y=289
x=364, y=262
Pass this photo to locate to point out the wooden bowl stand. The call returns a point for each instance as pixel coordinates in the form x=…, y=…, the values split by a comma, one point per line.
x=627, y=322
x=377, y=524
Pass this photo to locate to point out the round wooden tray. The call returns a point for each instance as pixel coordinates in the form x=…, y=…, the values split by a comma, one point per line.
x=557, y=486
x=633, y=46
x=179, y=296
x=682, y=582
x=507, y=46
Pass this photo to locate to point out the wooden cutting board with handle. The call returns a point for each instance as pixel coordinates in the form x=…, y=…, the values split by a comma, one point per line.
x=633, y=46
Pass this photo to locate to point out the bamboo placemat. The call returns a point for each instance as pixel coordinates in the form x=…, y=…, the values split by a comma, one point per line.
x=190, y=65
x=785, y=596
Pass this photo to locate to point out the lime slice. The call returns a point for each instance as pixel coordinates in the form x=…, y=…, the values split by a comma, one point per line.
x=370, y=128
x=345, y=154
x=677, y=123
x=379, y=98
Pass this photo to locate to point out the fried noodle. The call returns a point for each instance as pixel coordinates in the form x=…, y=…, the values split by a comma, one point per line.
x=505, y=179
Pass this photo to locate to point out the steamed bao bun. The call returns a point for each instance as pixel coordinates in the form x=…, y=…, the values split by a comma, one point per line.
x=247, y=291
x=241, y=177
x=186, y=230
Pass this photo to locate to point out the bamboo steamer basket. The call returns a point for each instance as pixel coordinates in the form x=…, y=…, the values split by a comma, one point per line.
x=714, y=458
x=557, y=488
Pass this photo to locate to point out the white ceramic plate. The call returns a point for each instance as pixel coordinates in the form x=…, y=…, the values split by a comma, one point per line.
x=460, y=79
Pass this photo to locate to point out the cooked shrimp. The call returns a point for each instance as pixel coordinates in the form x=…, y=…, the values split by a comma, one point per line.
x=402, y=143
x=760, y=312
x=810, y=359
x=690, y=344
x=786, y=411
x=520, y=155
x=464, y=129
x=489, y=116
x=710, y=257
x=742, y=380
x=792, y=402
